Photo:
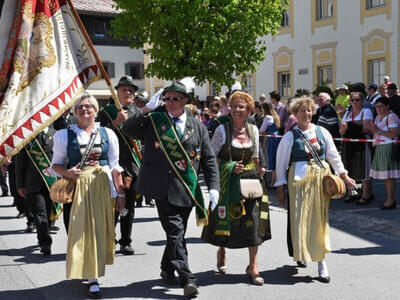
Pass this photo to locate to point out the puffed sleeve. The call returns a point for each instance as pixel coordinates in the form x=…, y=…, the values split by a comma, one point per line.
x=113, y=151
x=268, y=121
x=218, y=139
x=60, y=141
x=332, y=155
x=283, y=158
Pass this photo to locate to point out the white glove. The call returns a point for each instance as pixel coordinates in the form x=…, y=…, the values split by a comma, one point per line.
x=213, y=195
x=155, y=101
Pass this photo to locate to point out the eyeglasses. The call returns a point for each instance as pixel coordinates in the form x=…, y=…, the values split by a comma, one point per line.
x=85, y=106
x=355, y=99
x=173, y=98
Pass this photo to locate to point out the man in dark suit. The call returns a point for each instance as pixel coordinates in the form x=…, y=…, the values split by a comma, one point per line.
x=112, y=118
x=31, y=185
x=159, y=175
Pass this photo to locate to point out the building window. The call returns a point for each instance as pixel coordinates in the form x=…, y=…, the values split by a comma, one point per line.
x=109, y=67
x=284, y=83
x=136, y=70
x=248, y=84
x=324, y=9
x=324, y=74
x=285, y=19
x=376, y=70
x=375, y=3
x=99, y=30
x=213, y=90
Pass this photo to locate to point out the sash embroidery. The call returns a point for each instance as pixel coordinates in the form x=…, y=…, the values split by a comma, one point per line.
x=179, y=162
x=42, y=165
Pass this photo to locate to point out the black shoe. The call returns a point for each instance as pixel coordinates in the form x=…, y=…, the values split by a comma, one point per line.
x=139, y=204
x=94, y=295
x=45, y=250
x=54, y=228
x=324, y=279
x=169, y=278
x=127, y=250
x=190, y=290
x=392, y=206
x=30, y=228
x=301, y=264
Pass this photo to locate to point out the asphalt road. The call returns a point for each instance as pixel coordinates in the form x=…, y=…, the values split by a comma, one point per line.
x=364, y=263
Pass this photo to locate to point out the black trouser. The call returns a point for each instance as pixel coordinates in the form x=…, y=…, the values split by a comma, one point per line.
x=174, y=222
x=66, y=213
x=126, y=221
x=3, y=183
x=39, y=204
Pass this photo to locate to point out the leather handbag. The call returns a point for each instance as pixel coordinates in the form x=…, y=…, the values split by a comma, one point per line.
x=63, y=190
x=251, y=188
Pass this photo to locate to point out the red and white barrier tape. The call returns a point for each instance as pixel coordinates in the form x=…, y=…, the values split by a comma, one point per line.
x=338, y=139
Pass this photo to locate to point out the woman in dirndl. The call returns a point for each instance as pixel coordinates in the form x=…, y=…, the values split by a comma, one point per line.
x=237, y=222
x=91, y=224
x=357, y=123
x=308, y=222
x=383, y=167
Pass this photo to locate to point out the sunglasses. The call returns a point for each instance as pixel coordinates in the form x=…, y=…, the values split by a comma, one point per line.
x=354, y=99
x=85, y=106
x=173, y=98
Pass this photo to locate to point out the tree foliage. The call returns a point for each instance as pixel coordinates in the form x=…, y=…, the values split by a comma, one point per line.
x=208, y=39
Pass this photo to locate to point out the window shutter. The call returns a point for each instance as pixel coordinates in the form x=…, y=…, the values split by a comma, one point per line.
x=127, y=69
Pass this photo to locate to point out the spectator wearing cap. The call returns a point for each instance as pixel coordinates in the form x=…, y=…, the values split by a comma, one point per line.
x=141, y=98
x=342, y=100
x=373, y=94
x=386, y=80
x=129, y=155
x=176, y=145
x=280, y=109
x=394, y=99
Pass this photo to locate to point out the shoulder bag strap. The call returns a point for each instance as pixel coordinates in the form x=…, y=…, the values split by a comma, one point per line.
x=311, y=148
x=89, y=148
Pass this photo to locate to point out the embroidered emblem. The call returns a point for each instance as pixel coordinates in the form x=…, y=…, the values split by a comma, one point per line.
x=222, y=212
x=46, y=171
x=181, y=164
x=192, y=154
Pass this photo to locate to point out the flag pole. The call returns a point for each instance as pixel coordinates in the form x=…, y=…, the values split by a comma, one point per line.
x=96, y=57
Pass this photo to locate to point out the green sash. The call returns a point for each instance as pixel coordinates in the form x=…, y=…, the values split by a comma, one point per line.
x=229, y=193
x=42, y=165
x=179, y=161
x=133, y=145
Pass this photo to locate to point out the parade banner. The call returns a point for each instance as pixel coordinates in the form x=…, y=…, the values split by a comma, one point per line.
x=45, y=64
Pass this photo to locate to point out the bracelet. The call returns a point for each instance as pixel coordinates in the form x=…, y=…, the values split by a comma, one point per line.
x=121, y=195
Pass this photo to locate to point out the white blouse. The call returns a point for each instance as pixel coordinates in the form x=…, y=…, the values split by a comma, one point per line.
x=285, y=150
x=60, y=143
x=219, y=139
x=268, y=121
x=364, y=114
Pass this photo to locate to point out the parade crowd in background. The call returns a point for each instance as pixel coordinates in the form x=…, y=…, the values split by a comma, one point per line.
x=229, y=138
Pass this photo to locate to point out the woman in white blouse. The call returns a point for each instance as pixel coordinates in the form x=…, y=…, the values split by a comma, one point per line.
x=91, y=224
x=386, y=128
x=308, y=227
x=238, y=222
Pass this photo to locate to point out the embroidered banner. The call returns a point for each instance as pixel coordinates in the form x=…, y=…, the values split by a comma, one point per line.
x=45, y=64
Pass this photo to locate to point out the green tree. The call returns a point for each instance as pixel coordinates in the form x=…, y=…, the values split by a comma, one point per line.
x=208, y=39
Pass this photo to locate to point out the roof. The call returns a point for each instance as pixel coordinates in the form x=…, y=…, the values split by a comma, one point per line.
x=98, y=7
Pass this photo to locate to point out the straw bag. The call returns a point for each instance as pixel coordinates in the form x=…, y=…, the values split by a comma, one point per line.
x=63, y=190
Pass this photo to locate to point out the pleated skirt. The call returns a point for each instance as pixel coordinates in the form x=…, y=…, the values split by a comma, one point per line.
x=91, y=236
x=383, y=167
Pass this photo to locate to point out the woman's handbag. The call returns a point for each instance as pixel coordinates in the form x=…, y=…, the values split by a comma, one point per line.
x=62, y=191
x=251, y=188
x=332, y=185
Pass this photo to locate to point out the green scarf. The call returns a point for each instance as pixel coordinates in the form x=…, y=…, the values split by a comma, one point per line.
x=42, y=165
x=179, y=161
x=229, y=193
x=133, y=145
